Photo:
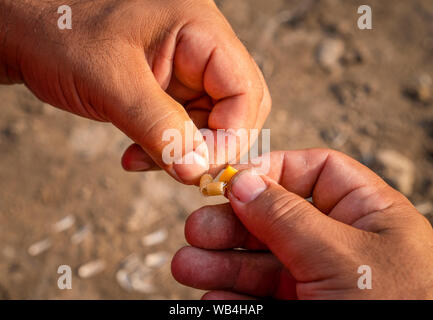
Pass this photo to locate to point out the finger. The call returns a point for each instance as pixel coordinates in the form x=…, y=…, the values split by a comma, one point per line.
x=217, y=228
x=182, y=93
x=225, y=295
x=257, y=274
x=136, y=159
x=265, y=105
x=292, y=228
x=219, y=65
x=153, y=119
x=335, y=182
x=199, y=110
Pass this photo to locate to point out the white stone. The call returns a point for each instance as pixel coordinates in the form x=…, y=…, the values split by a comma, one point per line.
x=133, y=275
x=81, y=235
x=39, y=247
x=329, y=53
x=64, y=224
x=155, y=237
x=399, y=169
x=156, y=259
x=91, y=268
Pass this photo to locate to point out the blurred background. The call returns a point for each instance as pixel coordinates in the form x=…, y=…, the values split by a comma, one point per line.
x=64, y=198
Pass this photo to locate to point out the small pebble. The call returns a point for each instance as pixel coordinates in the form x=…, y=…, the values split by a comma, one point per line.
x=329, y=53
x=81, y=235
x=155, y=237
x=39, y=247
x=64, y=224
x=91, y=268
x=156, y=260
x=398, y=169
x=133, y=275
x=420, y=88
x=142, y=282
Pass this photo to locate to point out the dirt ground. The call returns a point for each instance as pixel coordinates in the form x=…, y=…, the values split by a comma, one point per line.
x=364, y=92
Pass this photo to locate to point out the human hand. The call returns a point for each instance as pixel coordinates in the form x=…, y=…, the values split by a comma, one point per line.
x=146, y=66
x=299, y=250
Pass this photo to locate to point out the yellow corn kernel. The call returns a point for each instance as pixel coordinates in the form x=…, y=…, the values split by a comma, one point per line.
x=215, y=189
x=204, y=181
x=228, y=174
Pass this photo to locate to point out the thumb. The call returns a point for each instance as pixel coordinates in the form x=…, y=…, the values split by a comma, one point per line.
x=292, y=228
x=162, y=127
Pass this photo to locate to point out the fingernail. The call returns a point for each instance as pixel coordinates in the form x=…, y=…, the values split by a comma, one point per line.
x=247, y=186
x=191, y=167
x=138, y=165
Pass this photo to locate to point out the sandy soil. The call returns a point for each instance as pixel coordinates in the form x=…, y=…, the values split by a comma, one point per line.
x=54, y=165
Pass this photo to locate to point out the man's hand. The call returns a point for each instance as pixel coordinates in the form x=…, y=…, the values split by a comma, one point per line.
x=144, y=65
x=298, y=249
